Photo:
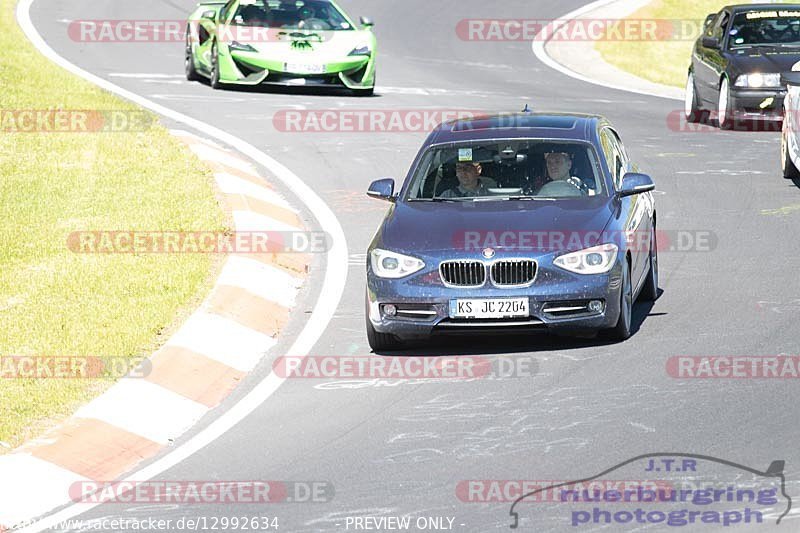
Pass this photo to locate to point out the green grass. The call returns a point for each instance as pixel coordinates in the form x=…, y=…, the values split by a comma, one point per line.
x=663, y=61
x=53, y=301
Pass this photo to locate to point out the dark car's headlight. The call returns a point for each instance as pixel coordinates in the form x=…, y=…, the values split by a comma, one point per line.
x=392, y=265
x=758, y=80
x=594, y=260
x=239, y=47
x=361, y=50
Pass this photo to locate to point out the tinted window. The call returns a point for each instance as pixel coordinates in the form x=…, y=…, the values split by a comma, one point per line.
x=765, y=27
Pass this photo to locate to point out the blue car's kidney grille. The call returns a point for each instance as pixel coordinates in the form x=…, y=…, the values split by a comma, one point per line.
x=513, y=272
x=463, y=273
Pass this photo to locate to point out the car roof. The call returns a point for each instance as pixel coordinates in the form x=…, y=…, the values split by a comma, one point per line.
x=568, y=126
x=738, y=8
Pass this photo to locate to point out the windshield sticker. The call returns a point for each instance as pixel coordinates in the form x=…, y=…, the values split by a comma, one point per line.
x=465, y=154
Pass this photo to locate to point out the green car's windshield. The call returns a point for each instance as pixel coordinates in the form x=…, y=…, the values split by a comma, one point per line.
x=294, y=15
x=518, y=169
x=765, y=28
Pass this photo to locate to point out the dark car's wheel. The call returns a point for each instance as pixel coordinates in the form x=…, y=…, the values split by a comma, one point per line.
x=724, y=113
x=789, y=169
x=650, y=289
x=622, y=331
x=215, y=83
x=191, y=71
x=381, y=341
x=691, y=110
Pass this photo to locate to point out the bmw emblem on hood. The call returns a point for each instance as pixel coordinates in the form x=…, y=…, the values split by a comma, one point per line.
x=488, y=253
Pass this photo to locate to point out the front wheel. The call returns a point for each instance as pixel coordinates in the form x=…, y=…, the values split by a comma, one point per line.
x=622, y=330
x=215, y=83
x=691, y=110
x=189, y=67
x=650, y=290
x=724, y=115
x=789, y=169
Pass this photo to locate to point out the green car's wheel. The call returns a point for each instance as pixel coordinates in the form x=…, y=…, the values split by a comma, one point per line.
x=215, y=83
x=191, y=71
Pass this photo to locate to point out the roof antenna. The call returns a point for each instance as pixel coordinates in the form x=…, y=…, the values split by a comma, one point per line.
x=527, y=109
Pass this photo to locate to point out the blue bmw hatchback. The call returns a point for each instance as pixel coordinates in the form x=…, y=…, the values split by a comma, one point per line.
x=511, y=223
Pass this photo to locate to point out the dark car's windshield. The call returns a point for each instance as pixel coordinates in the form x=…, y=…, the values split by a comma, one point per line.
x=507, y=169
x=758, y=28
x=294, y=15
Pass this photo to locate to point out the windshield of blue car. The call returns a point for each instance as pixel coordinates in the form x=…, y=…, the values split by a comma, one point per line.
x=296, y=15
x=765, y=28
x=520, y=169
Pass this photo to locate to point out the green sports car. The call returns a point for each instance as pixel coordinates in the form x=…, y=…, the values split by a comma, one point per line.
x=280, y=42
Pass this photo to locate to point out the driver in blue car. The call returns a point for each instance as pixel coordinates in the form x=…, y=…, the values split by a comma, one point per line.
x=559, y=168
x=470, y=182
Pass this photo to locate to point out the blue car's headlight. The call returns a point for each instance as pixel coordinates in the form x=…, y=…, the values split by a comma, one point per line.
x=392, y=265
x=595, y=260
x=239, y=47
x=361, y=50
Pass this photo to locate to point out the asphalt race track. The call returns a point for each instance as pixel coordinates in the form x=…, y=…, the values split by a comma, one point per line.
x=402, y=448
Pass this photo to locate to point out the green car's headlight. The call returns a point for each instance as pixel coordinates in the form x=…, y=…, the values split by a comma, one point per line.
x=239, y=47
x=392, y=265
x=595, y=260
x=361, y=50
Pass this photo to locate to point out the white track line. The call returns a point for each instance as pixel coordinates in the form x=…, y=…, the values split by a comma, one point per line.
x=541, y=54
x=330, y=293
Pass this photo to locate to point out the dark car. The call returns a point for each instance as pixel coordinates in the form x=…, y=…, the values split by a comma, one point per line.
x=511, y=223
x=737, y=61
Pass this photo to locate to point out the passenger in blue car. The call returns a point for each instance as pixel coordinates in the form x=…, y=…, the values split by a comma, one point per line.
x=470, y=182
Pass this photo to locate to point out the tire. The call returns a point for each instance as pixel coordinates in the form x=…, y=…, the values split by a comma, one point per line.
x=215, y=83
x=188, y=60
x=381, y=341
x=724, y=115
x=650, y=289
x=787, y=165
x=622, y=331
x=691, y=110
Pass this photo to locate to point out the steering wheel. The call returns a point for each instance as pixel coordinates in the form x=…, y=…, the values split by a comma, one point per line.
x=578, y=184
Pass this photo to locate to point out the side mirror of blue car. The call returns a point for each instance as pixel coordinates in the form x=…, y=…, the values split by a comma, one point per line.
x=635, y=183
x=382, y=189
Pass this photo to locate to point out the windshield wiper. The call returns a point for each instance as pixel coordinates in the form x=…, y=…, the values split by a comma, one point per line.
x=437, y=199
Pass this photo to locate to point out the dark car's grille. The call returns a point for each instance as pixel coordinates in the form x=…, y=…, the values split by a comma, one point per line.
x=513, y=272
x=463, y=273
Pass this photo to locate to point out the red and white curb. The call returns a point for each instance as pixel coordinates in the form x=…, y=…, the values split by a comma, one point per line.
x=203, y=361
